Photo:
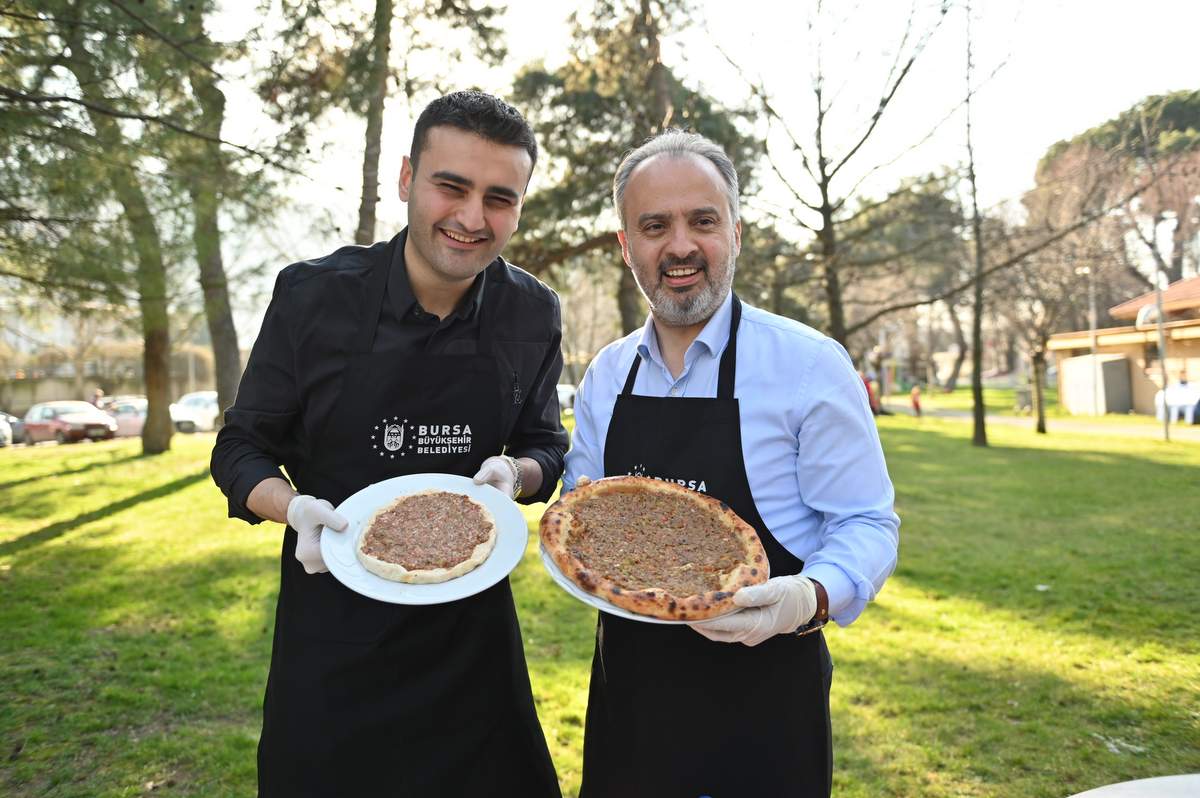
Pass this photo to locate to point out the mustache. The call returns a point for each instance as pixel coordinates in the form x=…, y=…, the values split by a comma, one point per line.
x=695, y=260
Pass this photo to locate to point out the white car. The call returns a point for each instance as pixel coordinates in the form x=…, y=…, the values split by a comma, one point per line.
x=6, y=435
x=196, y=412
x=566, y=397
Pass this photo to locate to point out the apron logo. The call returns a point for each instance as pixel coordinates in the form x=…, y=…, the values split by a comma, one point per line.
x=396, y=436
x=393, y=437
x=698, y=485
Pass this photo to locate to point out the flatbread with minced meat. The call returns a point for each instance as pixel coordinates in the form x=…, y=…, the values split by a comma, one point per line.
x=652, y=547
x=427, y=537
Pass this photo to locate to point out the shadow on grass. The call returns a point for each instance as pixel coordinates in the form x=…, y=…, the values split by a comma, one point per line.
x=158, y=664
x=926, y=724
x=1098, y=541
x=59, y=528
x=71, y=472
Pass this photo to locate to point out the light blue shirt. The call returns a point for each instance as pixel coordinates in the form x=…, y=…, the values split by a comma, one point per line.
x=812, y=453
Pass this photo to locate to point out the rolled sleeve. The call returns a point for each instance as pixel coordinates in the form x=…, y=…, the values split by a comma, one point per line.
x=538, y=433
x=251, y=445
x=843, y=476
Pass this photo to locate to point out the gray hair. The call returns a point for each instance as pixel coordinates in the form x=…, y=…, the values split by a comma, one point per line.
x=675, y=143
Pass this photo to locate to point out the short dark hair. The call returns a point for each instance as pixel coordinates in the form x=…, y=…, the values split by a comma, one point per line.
x=478, y=113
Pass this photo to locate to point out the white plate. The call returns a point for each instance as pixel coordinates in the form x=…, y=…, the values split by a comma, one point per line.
x=338, y=548
x=597, y=602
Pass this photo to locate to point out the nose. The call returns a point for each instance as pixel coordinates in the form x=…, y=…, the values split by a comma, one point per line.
x=470, y=214
x=680, y=244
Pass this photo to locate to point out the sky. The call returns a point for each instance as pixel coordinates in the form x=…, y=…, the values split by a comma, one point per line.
x=1046, y=71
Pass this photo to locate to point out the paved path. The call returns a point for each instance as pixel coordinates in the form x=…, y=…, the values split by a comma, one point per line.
x=1179, y=430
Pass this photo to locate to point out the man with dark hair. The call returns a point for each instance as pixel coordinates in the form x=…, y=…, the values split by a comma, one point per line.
x=768, y=416
x=434, y=328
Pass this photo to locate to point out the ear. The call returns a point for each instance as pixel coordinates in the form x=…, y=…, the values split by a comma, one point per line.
x=737, y=238
x=624, y=248
x=406, y=177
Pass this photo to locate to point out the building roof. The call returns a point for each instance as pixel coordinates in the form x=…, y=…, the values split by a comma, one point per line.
x=1118, y=336
x=1179, y=295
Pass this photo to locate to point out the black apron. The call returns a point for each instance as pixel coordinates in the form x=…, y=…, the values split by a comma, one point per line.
x=671, y=713
x=366, y=698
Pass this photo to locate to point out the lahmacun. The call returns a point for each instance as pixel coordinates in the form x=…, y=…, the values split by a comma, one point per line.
x=427, y=537
x=653, y=547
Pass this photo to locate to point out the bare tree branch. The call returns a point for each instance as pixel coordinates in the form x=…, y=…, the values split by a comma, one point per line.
x=162, y=37
x=14, y=95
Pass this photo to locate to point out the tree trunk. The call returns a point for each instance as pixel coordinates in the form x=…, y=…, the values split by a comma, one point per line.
x=629, y=302
x=961, y=342
x=204, y=186
x=151, y=271
x=1039, y=379
x=832, y=281
x=381, y=46
x=979, y=434
x=1179, y=242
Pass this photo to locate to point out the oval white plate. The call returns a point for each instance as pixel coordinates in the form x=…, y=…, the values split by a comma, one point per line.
x=338, y=548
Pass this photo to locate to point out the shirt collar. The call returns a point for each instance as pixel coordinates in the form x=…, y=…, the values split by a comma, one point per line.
x=400, y=293
x=713, y=337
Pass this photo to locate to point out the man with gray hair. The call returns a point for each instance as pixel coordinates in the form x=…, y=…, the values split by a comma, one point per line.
x=768, y=416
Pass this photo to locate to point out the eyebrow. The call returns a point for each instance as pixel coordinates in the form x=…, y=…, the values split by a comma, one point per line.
x=451, y=177
x=707, y=210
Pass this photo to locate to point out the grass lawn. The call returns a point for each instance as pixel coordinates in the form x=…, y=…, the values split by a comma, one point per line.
x=1039, y=638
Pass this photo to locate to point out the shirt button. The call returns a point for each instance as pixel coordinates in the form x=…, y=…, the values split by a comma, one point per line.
x=675, y=390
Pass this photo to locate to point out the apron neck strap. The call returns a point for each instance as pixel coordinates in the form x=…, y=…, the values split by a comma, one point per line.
x=728, y=372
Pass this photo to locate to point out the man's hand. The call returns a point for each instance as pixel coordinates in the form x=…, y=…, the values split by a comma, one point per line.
x=306, y=515
x=499, y=472
x=778, y=606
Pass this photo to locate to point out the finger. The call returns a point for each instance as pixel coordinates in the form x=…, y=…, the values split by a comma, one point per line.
x=758, y=595
x=739, y=622
x=716, y=635
x=331, y=519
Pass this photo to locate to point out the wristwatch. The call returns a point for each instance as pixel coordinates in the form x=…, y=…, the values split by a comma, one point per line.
x=821, y=616
x=512, y=463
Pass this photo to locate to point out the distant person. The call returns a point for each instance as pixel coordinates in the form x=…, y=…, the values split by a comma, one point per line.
x=871, y=401
x=98, y=397
x=360, y=351
x=914, y=398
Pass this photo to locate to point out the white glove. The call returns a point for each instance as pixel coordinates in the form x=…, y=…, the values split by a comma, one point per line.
x=498, y=472
x=306, y=515
x=777, y=606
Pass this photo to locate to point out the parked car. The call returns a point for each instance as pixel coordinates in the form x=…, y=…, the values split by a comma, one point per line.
x=130, y=415
x=196, y=412
x=17, y=425
x=67, y=422
x=5, y=432
x=566, y=397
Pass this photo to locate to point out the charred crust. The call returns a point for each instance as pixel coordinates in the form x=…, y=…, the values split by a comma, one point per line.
x=724, y=506
x=616, y=590
x=671, y=605
x=754, y=571
x=585, y=580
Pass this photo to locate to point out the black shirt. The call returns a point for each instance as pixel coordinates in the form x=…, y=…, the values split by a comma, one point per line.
x=292, y=380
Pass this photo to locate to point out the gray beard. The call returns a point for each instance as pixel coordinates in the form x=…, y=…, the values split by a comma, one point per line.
x=693, y=309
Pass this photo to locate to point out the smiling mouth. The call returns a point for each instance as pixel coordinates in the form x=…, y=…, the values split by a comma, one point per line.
x=461, y=238
x=681, y=271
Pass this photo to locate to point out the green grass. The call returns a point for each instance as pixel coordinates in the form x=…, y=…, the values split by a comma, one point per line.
x=137, y=619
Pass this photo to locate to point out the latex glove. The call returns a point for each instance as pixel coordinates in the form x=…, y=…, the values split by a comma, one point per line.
x=306, y=515
x=777, y=606
x=497, y=472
